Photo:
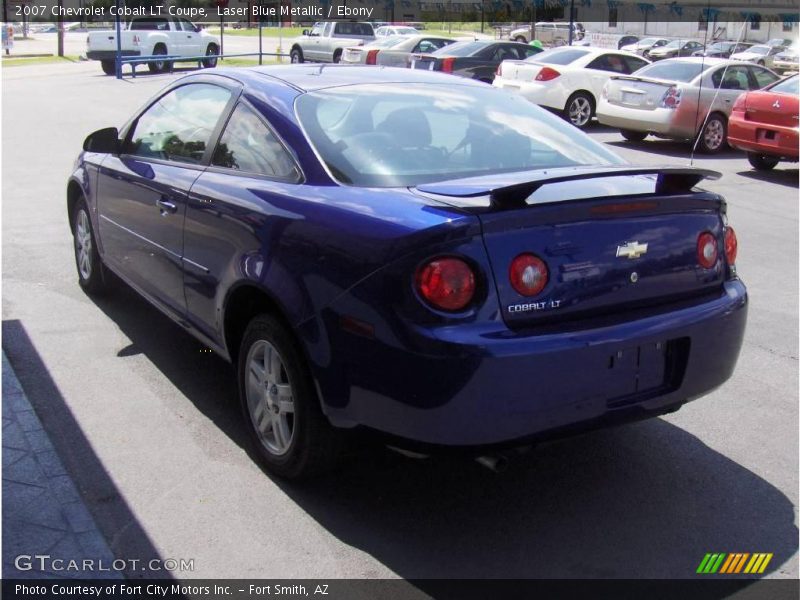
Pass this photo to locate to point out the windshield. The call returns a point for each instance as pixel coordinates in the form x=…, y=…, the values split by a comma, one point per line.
x=673, y=44
x=672, y=70
x=386, y=42
x=762, y=50
x=647, y=41
x=721, y=46
x=405, y=30
x=389, y=135
x=787, y=86
x=559, y=56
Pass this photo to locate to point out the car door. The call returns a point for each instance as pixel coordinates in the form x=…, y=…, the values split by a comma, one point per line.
x=728, y=84
x=311, y=46
x=233, y=211
x=192, y=40
x=601, y=68
x=142, y=192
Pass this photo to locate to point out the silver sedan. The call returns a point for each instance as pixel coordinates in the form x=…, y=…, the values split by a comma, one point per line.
x=394, y=51
x=680, y=98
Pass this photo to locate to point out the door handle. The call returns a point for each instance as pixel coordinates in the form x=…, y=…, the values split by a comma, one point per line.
x=165, y=206
x=188, y=36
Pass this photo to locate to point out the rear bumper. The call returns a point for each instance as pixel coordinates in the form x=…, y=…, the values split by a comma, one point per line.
x=484, y=384
x=543, y=94
x=749, y=136
x=672, y=123
x=110, y=54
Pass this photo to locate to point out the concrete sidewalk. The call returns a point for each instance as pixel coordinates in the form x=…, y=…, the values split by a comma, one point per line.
x=43, y=513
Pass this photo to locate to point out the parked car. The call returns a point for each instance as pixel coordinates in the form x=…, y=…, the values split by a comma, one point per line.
x=326, y=41
x=548, y=33
x=642, y=47
x=723, y=49
x=174, y=37
x=389, y=30
x=674, y=49
x=409, y=253
x=680, y=98
x=764, y=124
x=787, y=60
x=567, y=80
x=626, y=40
x=782, y=42
x=394, y=51
x=761, y=54
x=474, y=60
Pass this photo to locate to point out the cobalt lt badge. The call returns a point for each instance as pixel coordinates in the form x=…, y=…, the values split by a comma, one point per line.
x=631, y=250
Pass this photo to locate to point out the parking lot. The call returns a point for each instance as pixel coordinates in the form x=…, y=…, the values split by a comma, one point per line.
x=147, y=422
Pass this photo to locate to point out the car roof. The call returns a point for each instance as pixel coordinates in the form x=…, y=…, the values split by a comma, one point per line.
x=306, y=78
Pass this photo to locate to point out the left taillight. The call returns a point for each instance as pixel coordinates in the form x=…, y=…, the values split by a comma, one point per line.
x=731, y=246
x=740, y=106
x=707, y=250
x=446, y=283
x=372, y=57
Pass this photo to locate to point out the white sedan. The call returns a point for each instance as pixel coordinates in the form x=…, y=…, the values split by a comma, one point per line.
x=762, y=54
x=389, y=30
x=567, y=80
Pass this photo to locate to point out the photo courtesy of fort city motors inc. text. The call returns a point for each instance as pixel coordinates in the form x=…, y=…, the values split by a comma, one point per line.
x=400, y=299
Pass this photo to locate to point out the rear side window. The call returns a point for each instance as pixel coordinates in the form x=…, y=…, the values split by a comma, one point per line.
x=248, y=145
x=559, y=56
x=609, y=62
x=179, y=125
x=763, y=77
x=354, y=29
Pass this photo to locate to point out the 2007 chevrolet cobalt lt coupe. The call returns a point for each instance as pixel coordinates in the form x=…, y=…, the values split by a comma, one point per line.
x=398, y=250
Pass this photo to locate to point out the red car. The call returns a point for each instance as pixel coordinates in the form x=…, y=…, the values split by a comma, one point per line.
x=764, y=124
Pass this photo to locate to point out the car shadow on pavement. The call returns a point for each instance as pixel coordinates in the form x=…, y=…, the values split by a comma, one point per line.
x=781, y=176
x=676, y=149
x=643, y=500
x=114, y=518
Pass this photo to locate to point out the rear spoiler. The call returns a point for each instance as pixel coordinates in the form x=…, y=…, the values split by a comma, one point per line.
x=511, y=190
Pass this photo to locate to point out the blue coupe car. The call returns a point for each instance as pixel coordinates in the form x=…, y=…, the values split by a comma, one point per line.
x=401, y=251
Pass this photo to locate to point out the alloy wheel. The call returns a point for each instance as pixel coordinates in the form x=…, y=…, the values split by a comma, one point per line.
x=714, y=134
x=580, y=111
x=270, y=398
x=83, y=244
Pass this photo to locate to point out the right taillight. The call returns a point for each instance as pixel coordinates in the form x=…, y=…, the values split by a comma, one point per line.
x=528, y=274
x=707, y=250
x=447, y=64
x=731, y=246
x=372, y=57
x=446, y=283
x=671, y=98
x=547, y=74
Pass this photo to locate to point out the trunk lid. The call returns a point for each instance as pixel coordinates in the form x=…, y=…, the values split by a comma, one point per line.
x=520, y=70
x=107, y=40
x=637, y=92
x=772, y=108
x=613, y=239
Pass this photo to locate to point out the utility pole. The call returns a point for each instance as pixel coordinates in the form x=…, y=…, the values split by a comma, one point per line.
x=60, y=28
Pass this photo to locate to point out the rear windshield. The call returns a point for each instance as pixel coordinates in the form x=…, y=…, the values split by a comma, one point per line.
x=787, y=86
x=672, y=70
x=149, y=24
x=354, y=29
x=558, y=56
x=388, y=135
x=462, y=49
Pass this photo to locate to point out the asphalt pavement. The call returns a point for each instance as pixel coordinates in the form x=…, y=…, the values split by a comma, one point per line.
x=147, y=425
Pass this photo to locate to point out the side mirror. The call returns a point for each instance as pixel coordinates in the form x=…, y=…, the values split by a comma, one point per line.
x=198, y=28
x=104, y=141
x=305, y=31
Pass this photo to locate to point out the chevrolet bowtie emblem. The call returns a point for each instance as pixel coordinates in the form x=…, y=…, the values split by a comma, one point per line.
x=631, y=250
x=776, y=104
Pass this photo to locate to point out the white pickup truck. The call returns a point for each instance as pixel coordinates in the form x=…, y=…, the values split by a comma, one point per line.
x=326, y=41
x=154, y=36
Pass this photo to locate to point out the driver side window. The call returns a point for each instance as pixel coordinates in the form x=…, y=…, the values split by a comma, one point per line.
x=179, y=125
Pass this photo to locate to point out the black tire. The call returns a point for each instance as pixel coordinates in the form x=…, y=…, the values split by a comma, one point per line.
x=337, y=56
x=296, y=56
x=210, y=63
x=87, y=260
x=714, y=135
x=521, y=39
x=582, y=103
x=159, y=66
x=762, y=162
x=314, y=446
x=633, y=136
x=108, y=66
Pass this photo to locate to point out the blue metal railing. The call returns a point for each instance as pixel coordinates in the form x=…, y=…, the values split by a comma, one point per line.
x=171, y=59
